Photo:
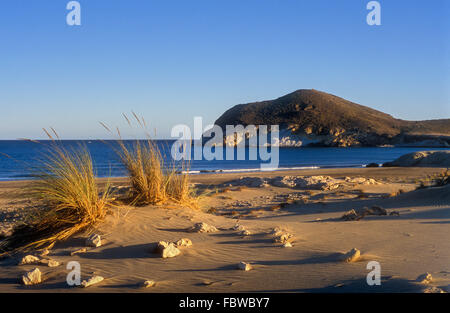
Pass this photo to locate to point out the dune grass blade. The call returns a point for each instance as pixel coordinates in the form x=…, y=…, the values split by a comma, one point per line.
x=66, y=190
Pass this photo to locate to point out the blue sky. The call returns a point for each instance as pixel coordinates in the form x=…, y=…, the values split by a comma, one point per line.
x=171, y=60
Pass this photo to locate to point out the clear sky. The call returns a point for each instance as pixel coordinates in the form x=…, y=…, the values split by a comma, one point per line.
x=171, y=60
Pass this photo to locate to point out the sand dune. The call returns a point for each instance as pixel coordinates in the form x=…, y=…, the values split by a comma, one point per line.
x=406, y=246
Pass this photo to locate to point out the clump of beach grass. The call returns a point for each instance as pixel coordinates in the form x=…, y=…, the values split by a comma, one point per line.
x=68, y=198
x=152, y=180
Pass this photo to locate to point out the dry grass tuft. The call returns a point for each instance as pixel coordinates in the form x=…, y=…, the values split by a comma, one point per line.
x=152, y=181
x=66, y=191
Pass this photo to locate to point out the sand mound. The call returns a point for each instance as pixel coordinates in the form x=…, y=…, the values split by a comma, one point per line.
x=423, y=158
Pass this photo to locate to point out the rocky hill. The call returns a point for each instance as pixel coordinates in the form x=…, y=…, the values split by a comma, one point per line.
x=315, y=118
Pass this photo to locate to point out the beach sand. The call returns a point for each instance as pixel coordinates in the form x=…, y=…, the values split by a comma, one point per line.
x=408, y=245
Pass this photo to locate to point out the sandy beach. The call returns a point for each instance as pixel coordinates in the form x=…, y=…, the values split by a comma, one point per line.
x=251, y=212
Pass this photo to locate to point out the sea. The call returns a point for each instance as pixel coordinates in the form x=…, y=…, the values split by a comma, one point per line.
x=19, y=158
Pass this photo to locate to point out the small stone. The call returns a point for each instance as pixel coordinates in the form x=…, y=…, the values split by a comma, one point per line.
x=203, y=228
x=29, y=259
x=50, y=262
x=394, y=213
x=287, y=245
x=94, y=240
x=91, y=281
x=425, y=278
x=238, y=227
x=245, y=232
x=184, y=242
x=32, y=278
x=148, y=284
x=283, y=238
x=244, y=266
x=352, y=256
x=167, y=250
x=351, y=216
x=82, y=250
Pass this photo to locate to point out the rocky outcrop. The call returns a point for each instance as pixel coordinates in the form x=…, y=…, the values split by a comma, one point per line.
x=320, y=182
x=315, y=118
x=423, y=158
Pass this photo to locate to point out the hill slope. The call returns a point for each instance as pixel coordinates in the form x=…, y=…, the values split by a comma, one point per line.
x=311, y=117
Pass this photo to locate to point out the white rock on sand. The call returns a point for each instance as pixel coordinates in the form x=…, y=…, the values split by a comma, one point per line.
x=203, y=228
x=244, y=266
x=33, y=277
x=167, y=250
x=351, y=256
x=184, y=242
x=148, y=284
x=49, y=262
x=91, y=281
x=306, y=182
x=94, y=240
x=29, y=259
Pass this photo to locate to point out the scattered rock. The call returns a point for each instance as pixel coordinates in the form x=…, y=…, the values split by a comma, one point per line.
x=203, y=228
x=373, y=165
x=352, y=256
x=29, y=259
x=287, y=245
x=244, y=266
x=167, y=250
x=376, y=210
x=283, y=238
x=394, y=213
x=238, y=227
x=254, y=182
x=49, y=262
x=351, y=216
x=148, y=284
x=245, y=232
x=306, y=182
x=94, y=240
x=33, y=277
x=425, y=278
x=91, y=281
x=433, y=290
x=184, y=242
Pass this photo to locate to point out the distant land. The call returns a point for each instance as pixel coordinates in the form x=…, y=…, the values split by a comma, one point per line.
x=308, y=117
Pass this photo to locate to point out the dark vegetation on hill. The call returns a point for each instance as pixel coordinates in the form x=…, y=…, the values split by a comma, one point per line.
x=338, y=121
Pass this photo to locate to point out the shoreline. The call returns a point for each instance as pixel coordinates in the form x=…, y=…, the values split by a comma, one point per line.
x=330, y=171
